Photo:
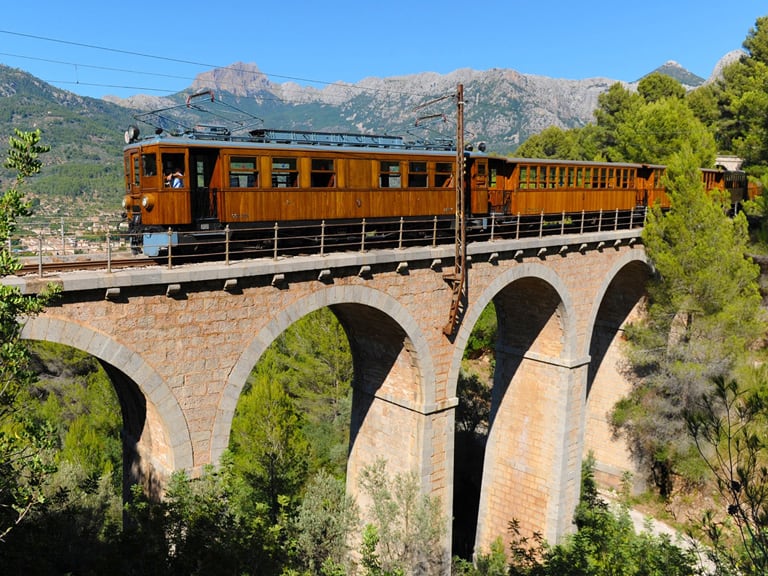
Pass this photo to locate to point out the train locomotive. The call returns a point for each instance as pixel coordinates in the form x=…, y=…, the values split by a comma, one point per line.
x=197, y=186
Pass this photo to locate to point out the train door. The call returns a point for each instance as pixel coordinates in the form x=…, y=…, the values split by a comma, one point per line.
x=203, y=190
x=477, y=186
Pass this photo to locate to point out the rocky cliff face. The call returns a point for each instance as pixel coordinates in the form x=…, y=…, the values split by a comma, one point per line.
x=503, y=107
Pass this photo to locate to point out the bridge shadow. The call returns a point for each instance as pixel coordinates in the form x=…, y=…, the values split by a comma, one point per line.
x=135, y=431
x=383, y=363
x=607, y=378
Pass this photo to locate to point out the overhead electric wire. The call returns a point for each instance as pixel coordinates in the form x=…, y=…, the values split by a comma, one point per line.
x=177, y=61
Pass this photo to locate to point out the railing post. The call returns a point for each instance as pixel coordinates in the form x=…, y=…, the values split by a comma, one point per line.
x=517, y=227
x=562, y=224
x=581, y=224
x=322, y=238
x=274, y=246
x=493, y=224
x=362, y=238
x=631, y=218
x=226, y=244
x=170, y=240
x=616, y=220
x=400, y=236
x=434, y=231
x=541, y=224
x=40, y=255
x=109, y=251
x=600, y=221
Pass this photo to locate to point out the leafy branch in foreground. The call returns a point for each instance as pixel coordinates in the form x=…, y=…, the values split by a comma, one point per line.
x=23, y=438
x=728, y=426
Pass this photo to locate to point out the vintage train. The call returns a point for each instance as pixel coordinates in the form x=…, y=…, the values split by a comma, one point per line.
x=194, y=187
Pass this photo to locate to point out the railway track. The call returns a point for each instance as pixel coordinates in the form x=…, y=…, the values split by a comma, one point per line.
x=68, y=266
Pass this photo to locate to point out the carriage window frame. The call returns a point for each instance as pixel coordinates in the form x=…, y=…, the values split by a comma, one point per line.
x=174, y=162
x=136, y=170
x=418, y=176
x=322, y=173
x=390, y=174
x=443, y=174
x=148, y=165
x=244, y=170
x=285, y=172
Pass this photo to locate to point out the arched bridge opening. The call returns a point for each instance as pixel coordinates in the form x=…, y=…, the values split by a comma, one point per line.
x=607, y=381
x=154, y=437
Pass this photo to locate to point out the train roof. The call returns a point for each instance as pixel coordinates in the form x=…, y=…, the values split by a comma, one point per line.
x=218, y=136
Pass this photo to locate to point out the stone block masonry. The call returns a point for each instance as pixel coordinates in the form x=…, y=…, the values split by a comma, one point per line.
x=180, y=358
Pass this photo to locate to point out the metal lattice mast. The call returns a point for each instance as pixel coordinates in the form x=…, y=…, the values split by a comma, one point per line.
x=458, y=278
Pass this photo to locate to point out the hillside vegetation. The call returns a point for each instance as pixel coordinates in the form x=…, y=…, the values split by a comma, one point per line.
x=696, y=416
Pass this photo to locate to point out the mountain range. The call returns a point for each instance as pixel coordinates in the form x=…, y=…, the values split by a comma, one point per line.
x=502, y=107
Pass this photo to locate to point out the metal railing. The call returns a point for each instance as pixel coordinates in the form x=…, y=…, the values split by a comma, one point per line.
x=60, y=241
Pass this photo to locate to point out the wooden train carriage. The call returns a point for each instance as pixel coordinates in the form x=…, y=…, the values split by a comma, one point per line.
x=244, y=182
x=534, y=186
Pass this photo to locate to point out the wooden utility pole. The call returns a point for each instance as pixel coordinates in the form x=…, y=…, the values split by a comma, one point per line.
x=458, y=278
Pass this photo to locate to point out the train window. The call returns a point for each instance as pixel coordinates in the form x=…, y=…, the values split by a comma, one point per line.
x=243, y=172
x=172, y=163
x=482, y=170
x=285, y=174
x=587, y=178
x=493, y=178
x=532, y=177
x=323, y=174
x=135, y=159
x=417, y=174
x=149, y=164
x=389, y=174
x=443, y=174
x=570, y=177
x=552, y=180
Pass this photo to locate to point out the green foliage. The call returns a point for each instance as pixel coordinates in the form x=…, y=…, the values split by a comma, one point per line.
x=703, y=314
x=474, y=407
x=408, y=525
x=313, y=363
x=656, y=86
x=728, y=425
x=606, y=544
x=268, y=445
x=24, y=439
x=735, y=107
x=200, y=529
x=326, y=520
x=482, y=339
x=647, y=126
x=656, y=131
x=82, y=495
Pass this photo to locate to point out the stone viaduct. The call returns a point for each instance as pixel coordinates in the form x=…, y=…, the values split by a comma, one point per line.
x=179, y=344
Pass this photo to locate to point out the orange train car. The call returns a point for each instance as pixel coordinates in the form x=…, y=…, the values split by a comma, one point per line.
x=204, y=181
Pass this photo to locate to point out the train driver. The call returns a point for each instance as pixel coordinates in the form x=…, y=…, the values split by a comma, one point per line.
x=175, y=179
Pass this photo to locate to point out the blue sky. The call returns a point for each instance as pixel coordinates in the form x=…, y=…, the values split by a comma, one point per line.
x=98, y=48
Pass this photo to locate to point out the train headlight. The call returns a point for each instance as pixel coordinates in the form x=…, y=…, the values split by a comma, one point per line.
x=147, y=202
x=127, y=203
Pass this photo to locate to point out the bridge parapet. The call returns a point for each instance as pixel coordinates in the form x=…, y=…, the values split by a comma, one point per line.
x=327, y=266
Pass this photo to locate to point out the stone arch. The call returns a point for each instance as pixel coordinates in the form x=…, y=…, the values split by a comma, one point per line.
x=500, y=282
x=160, y=437
x=358, y=309
x=618, y=301
x=529, y=467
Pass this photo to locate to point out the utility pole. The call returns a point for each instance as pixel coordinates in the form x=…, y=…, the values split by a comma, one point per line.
x=458, y=278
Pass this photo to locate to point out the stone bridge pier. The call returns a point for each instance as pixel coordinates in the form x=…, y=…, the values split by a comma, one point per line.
x=179, y=344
